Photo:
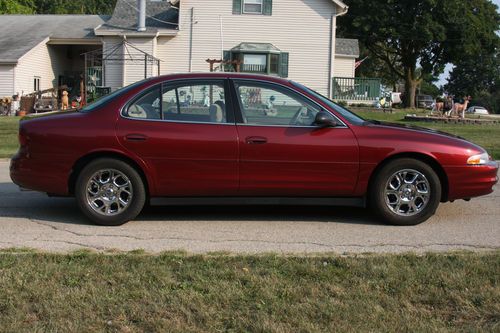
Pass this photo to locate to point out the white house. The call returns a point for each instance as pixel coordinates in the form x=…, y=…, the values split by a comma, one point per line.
x=289, y=38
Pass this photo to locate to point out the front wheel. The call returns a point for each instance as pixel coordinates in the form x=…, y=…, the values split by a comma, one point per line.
x=405, y=192
x=110, y=192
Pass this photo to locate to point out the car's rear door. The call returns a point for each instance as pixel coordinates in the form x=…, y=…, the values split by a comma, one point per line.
x=282, y=153
x=185, y=132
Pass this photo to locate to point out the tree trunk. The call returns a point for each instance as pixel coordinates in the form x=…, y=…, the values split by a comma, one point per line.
x=410, y=88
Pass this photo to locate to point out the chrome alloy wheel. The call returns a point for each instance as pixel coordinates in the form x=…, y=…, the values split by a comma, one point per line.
x=407, y=192
x=109, y=192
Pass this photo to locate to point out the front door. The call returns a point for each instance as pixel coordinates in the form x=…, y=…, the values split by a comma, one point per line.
x=185, y=132
x=282, y=153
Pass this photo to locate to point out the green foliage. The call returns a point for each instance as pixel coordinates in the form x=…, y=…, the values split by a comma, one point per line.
x=427, y=86
x=57, y=6
x=14, y=7
x=427, y=33
x=478, y=76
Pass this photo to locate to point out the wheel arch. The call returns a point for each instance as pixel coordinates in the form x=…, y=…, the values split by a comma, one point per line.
x=429, y=160
x=86, y=159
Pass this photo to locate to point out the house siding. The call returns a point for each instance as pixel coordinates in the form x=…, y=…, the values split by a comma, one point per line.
x=302, y=28
x=6, y=80
x=135, y=70
x=344, y=66
x=36, y=63
x=113, y=70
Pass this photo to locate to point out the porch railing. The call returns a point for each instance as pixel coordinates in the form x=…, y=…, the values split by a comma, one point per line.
x=253, y=68
x=355, y=89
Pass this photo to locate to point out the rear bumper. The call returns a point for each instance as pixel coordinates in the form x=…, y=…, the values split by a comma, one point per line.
x=44, y=175
x=471, y=181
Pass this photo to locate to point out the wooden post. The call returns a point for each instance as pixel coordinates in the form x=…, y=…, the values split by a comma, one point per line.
x=236, y=63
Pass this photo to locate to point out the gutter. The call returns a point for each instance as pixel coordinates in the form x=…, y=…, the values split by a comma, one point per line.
x=133, y=33
x=333, y=38
x=8, y=62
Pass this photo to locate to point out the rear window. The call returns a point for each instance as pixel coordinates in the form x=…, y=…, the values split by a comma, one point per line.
x=108, y=98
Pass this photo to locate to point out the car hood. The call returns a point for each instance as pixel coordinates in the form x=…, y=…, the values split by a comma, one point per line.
x=412, y=128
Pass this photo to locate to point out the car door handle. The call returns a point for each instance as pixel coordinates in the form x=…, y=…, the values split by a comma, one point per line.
x=136, y=137
x=256, y=140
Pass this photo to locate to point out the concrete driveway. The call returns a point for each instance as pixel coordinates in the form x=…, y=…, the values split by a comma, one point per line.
x=29, y=219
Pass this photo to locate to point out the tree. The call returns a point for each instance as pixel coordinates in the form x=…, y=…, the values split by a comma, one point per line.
x=408, y=34
x=478, y=76
x=14, y=7
x=57, y=6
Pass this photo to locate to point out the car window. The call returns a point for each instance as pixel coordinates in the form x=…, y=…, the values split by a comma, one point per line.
x=146, y=106
x=196, y=102
x=108, y=98
x=266, y=104
x=347, y=114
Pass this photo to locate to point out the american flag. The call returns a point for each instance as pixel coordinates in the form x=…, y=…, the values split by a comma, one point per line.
x=359, y=62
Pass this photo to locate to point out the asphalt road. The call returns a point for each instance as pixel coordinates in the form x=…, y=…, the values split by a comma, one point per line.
x=30, y=219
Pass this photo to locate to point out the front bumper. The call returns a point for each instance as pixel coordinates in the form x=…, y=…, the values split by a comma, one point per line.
x=471, y=181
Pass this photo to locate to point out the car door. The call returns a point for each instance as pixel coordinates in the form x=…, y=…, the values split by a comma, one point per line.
x=282, y=153
x=185, y=132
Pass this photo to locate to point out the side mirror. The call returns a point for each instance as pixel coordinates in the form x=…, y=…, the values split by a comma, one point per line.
x=324, y=119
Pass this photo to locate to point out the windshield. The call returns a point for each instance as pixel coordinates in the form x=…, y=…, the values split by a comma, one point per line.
x=104, y=100
x=348, y=115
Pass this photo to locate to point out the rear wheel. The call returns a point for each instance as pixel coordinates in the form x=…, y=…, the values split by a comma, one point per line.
x=405, y=192
x=110, y=192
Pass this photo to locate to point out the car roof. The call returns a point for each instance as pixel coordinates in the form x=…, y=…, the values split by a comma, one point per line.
x=219, y=75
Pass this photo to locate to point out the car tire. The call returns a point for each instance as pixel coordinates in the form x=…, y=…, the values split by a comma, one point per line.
x=110, y=192
x=405, y=192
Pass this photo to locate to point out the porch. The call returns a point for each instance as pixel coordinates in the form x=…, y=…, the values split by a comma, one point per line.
x=355, y=90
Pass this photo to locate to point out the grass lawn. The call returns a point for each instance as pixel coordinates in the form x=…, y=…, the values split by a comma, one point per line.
x=8, y=136
x=174, y=292
x=487, y=136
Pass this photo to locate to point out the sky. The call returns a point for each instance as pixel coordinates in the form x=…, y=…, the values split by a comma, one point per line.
x=443, y=77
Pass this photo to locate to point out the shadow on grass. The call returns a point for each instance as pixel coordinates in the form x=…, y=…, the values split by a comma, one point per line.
x=38, y=206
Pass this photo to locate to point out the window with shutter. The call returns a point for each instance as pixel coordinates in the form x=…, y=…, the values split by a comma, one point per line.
x=252, y=6
x=260, y=63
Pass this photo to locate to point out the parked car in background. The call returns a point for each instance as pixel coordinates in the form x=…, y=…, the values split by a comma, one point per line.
x=424, y=101
x=231, y=138
x=477, y=110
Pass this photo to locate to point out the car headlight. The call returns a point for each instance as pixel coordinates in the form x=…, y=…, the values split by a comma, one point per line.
x=478, y=159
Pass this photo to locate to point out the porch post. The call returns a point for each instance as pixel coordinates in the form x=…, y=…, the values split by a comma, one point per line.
x=85, y=78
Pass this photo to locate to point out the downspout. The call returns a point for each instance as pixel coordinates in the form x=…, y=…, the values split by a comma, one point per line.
x=221, y=42
x=191, y=41
x=333, y=37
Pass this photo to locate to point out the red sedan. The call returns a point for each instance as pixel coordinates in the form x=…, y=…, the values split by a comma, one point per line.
x=192, y=139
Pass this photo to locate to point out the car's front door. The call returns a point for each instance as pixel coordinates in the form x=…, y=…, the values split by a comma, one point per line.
x=185, y=132
x=282, y=153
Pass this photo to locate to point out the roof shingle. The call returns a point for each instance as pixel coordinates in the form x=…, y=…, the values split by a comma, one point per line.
x=21, y=33
x=158, y=13
x=347, y=47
